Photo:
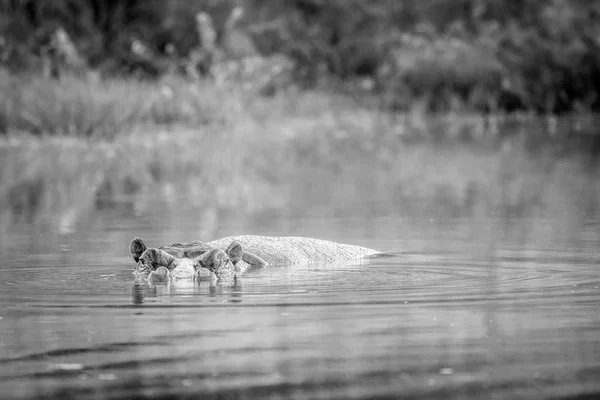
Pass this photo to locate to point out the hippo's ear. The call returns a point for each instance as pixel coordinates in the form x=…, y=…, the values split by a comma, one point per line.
x=136, y=248
x=235, y=252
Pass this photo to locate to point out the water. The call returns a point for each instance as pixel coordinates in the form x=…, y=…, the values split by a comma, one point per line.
x=489, y=286
x=473, y=305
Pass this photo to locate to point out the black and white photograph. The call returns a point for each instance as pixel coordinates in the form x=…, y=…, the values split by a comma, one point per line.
x=300, y=199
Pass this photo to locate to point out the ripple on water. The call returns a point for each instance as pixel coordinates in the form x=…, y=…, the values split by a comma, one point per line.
x=445, y=324
x=393, y=277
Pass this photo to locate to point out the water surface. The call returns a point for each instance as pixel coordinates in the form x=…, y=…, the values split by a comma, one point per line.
x=488, y=287
x=472, y=305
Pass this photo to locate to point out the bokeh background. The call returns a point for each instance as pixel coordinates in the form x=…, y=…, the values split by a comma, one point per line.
x=460, y=137
x=265, y=105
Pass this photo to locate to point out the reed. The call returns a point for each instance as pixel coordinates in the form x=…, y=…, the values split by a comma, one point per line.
x=103, y=108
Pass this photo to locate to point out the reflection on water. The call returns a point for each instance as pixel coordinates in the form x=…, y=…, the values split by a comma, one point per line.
x=492, y=296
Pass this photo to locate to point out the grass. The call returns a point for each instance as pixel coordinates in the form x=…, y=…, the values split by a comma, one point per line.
x=97, y=108
x=75, y=146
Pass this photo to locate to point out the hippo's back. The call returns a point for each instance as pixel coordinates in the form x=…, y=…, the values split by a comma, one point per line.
x=286, y=250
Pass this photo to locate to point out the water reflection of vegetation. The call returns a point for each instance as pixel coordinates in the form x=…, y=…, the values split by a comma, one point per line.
x=290, y=152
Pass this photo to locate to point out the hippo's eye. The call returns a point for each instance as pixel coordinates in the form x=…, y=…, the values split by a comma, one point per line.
x=141, y=265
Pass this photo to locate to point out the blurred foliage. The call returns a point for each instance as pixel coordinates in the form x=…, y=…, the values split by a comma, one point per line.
x=492, y=55
x=488, y=55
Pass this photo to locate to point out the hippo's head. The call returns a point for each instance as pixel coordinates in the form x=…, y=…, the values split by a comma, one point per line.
x=163, y=263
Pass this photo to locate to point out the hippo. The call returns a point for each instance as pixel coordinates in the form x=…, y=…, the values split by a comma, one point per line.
x=224, y=259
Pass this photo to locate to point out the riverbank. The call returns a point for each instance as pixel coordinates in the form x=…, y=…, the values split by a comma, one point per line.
x=109, y=143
